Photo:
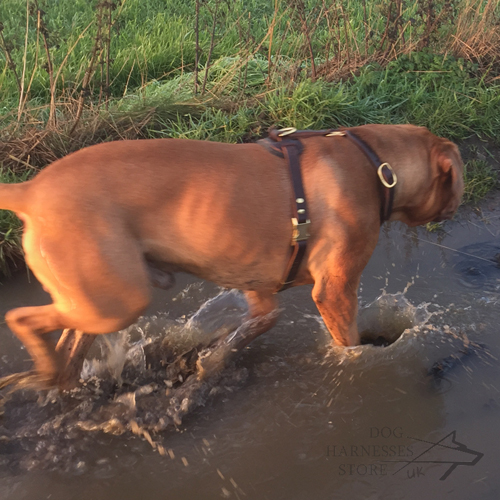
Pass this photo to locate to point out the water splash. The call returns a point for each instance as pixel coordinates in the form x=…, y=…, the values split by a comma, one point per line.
x=127, y=349
x=127, y=388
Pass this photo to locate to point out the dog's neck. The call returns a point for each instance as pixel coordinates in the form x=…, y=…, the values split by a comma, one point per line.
x=416, y=186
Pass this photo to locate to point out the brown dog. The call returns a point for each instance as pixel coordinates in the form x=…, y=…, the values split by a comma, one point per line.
x=104, y=224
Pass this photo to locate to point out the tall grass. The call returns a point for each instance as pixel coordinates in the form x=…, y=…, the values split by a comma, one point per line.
x=156, y=39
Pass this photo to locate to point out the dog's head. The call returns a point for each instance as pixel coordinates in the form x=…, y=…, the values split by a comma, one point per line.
x=439, y=196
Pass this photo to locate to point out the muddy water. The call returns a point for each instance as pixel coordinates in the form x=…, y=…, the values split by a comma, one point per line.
x=296, y=418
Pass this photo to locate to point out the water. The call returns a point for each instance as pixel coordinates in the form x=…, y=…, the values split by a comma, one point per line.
x=294, y=417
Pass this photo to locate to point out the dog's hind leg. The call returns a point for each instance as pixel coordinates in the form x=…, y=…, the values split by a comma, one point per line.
x=72, y=349
x=74, y=345
x=31, y=324
x=263, y=314
x=262, y=309
x=160, y=278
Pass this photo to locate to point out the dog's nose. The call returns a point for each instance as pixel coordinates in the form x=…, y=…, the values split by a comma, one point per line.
x=445, y=216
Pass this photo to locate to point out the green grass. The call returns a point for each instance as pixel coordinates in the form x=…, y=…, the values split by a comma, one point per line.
x=480, y=178
x=10, y=229
x=453, y=106
x=155, y=39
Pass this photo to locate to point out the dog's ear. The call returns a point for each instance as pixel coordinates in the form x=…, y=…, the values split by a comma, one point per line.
x=450, y=166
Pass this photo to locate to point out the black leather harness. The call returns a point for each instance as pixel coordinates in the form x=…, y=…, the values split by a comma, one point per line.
x=286, y=144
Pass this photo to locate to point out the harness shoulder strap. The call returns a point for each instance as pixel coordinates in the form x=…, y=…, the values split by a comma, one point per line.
x=285, y=143
x=385, y=173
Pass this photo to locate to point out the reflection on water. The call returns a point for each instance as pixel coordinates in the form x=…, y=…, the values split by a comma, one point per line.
x=294, y=417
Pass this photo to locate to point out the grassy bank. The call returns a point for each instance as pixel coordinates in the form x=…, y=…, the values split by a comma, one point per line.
x=77, y=73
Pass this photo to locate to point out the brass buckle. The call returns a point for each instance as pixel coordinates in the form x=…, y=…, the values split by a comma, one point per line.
x=382, y=178
x=336, y=133
x=286, y=131
x=300, y=230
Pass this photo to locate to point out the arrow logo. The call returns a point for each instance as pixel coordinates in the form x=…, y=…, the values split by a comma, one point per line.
x=447, y=451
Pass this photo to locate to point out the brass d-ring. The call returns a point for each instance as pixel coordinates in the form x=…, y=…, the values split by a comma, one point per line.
x=286, y=131
x=382, y=178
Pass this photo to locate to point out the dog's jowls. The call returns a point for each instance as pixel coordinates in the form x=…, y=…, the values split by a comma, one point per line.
x=102, y=225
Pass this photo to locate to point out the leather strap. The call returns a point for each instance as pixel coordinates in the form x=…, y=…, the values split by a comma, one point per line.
x=292, y=149
x=386, y=193
x=285, y=143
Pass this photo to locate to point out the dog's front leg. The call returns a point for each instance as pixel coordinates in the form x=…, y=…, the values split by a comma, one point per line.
x=336, y=298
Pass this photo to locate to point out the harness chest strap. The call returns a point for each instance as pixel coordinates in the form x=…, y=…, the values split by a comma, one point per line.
x=286, y=141
x=300, y=218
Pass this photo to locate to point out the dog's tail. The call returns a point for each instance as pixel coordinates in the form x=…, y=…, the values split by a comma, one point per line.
x=13, y=196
